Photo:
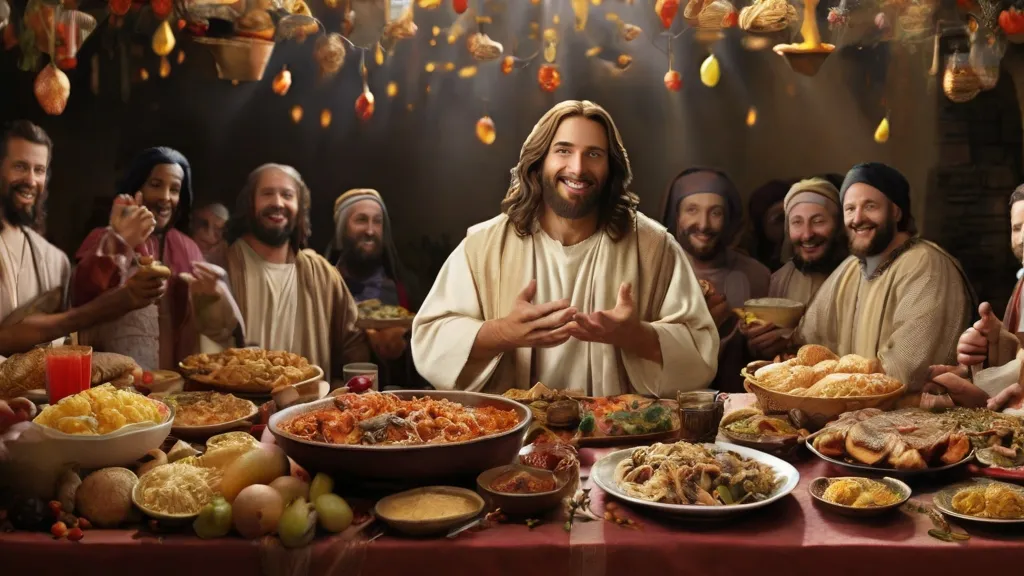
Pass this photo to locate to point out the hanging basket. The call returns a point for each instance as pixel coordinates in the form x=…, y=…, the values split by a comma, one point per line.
x=239, y=59
x=804, y=61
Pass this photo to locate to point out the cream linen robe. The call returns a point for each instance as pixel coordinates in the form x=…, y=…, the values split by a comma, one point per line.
x=909, y=316
x=482, y=277
x=792, y=284
x=43, y=268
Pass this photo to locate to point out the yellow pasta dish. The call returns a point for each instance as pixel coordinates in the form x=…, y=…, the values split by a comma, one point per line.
x=101, y=410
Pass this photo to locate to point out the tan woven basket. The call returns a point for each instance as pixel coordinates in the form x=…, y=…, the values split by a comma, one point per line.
x=817, y=411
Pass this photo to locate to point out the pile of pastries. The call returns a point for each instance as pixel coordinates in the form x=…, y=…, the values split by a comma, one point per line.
x=817, y=372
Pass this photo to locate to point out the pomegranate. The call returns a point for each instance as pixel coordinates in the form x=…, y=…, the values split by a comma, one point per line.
x=359, y=384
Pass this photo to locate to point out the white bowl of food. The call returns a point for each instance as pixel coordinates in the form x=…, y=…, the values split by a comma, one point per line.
x=40, y=453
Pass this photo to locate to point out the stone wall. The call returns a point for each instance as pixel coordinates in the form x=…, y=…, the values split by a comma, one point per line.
x=980, y=163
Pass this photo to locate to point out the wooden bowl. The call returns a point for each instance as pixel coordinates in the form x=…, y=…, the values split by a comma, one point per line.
x=521, y=504
x=388, y=511
x=818, y=411
x=818, y=486
x=779, y=311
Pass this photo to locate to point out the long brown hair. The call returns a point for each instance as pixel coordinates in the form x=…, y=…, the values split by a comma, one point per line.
x=243, y=219
x=29, y=132
x=524, y=201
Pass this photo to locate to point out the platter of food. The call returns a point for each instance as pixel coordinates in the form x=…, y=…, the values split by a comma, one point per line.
x=600, y=421
x=982, y=500
x=821, y=384
x=904, y=442
x=774, y=434
x=199, y=415
x=405, y=436
x=859, y=497
x=248, y=370
x=695, y=480
x=373, y=314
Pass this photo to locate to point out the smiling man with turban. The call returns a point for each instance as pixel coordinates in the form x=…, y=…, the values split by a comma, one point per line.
x=898, y=297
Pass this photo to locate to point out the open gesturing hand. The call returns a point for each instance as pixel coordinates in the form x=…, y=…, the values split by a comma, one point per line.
x=608, y=326
x=531, y=325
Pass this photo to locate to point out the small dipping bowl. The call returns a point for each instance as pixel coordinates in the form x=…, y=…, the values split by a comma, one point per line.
x=389, y=510
x=818, y=486
x=525, y=504
x=700, y=413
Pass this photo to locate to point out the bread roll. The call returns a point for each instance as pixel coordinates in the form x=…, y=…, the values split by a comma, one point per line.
x=811, y=354
x=854, y=364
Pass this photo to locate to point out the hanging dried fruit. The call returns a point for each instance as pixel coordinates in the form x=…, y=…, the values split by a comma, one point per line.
x=365, y=105
x=485, y=130
x=673, y=81
x=52, y=89
x=593, y=51
x=882, y=132
x=508, y=63
x=751, y=116
x=1012, y=21
x=666, y=11
x=630, y=32
x=959, y=82
x=329, y=54
x=165, y=67
x=325, y=118
x=143, y=74
x=181, y=56
x=581, y=9
x=623, y=61
x=467, y=71
x=460, y=6
x=163, y=39
x=392, y=89
x=119, y=7
x=282, y=82
x=401, y=28
x=161, y=8
x=428, y=4
x=296, y=113
x=549, y=78
x=483, y=48
x=378, y=55
x=710, y=72
x=550, y=44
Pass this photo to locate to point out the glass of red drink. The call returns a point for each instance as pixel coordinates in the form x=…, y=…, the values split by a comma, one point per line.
x=68, y=371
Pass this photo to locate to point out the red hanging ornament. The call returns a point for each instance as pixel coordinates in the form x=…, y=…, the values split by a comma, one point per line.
x=673, y=81
x=460, y=5
x=666, y=10
x=549, y=78
x=119, y=7
x=162, y=8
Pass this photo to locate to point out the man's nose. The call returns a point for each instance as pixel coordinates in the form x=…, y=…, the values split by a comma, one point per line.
x=576, y=164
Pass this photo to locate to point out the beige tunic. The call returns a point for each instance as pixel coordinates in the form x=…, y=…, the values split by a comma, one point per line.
x=270, y=303
x=499, y=264
x=909, y=315
x=792, y=284
x=29, y=267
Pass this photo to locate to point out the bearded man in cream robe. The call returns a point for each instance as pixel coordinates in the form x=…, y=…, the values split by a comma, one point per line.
x=898, y=297
x=289, y=297
x=570, y=285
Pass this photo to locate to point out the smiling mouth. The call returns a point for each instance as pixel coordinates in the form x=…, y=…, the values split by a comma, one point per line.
x=704, y=238
x=26, y=195
x=575, y=186
x=276, y=218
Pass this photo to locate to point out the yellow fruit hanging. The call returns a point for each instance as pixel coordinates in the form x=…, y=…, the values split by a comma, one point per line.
x=282, y=82
x=485, y=130
x=882, y=132
x=392, y=89
x=751, y=116
x=163, y=39
x=325, y=118
x=165, y=67
x=296, y=113
x=710, y=72
x=378, y=55
x=581, y=8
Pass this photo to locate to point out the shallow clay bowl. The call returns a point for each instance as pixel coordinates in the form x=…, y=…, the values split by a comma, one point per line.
x=779, y=311
x=387, y=510
x=818, y=486
x=521, y=504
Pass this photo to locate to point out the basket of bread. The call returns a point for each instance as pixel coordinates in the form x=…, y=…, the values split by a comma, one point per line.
x=821, y=385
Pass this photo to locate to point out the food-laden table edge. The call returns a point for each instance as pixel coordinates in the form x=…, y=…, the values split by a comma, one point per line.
x=790, y=537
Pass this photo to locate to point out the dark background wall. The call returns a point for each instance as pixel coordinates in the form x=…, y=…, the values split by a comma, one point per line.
x=420, y=150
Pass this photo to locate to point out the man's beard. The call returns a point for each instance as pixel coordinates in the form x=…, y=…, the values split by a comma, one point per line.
x=1018, y=252
x=15, y=214
x=358, y=260
x=273, y=236
x=568, y=209
x=834, y=254
x=884, y=233
x=705, y=254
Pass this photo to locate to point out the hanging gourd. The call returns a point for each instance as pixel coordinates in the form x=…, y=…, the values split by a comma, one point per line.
x=485, y=131
x=52, y=89
x=710, y=72
x=282, y=82
x=882, y=132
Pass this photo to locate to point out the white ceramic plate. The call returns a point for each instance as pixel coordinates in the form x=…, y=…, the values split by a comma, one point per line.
x=889, y=471
x=204, y=432
x=603, y=474
x=944, y=501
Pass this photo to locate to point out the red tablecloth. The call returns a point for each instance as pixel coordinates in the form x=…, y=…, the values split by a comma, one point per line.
x=792, y=536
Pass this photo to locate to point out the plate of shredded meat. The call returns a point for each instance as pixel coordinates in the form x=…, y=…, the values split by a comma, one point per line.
x=695, y=480
x=407, y=435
